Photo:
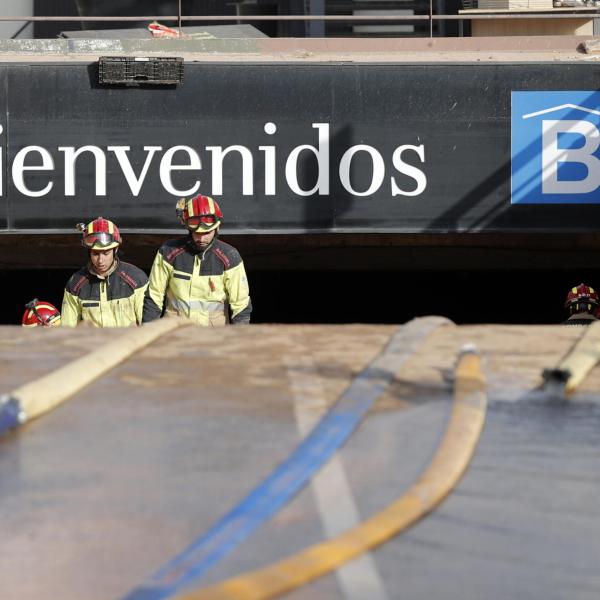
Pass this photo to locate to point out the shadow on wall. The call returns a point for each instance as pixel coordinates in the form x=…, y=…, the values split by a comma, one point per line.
x=320, y=211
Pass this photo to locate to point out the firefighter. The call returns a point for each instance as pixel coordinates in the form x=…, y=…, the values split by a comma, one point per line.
x=582, y=303
x=40, y=314
x=107, y=292
x=199, y=277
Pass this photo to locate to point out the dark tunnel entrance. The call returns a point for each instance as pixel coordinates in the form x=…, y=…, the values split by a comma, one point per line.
x=351, y=278
x=473, y=296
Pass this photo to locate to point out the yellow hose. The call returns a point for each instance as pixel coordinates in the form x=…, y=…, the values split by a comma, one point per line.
x=441, y=476
x=51, y=390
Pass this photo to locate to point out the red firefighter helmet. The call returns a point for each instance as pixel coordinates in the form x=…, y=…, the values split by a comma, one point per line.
x=40, y=314
x=582, y=298
x=200, y=213
x=100, y=234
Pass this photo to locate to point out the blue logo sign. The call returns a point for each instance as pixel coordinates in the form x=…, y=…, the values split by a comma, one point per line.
x=555, y=148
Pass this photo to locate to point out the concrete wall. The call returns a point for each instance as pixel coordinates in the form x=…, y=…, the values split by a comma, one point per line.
x=15, y=8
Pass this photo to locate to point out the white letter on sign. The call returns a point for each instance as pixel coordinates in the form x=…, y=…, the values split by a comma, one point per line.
x=167, y=167
x=322, y=155
x=18, y=168
x=552, y=155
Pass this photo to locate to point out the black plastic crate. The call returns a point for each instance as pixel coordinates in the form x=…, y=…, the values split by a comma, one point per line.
x=132, y=70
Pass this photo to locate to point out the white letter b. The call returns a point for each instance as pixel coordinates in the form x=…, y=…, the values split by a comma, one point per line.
x=552, y=155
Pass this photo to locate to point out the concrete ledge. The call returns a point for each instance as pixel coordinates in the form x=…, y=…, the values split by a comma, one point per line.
x=494, y=49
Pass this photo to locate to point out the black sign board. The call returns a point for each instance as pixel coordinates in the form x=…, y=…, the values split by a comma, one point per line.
x=282, y=147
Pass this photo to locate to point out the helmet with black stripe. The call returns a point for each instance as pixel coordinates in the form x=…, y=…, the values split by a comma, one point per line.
x=40, y=314
x=582, y=298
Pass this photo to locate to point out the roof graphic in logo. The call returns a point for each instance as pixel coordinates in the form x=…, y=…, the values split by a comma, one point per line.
x=561, y=107
x=555, y=148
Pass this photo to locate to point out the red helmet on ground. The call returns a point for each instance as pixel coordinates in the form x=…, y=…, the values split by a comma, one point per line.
x=201, y=213
x=100, y=234
x=40, y=314
x=583, y=298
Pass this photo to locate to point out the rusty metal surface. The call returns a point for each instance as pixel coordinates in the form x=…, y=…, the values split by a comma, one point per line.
x=99, y=493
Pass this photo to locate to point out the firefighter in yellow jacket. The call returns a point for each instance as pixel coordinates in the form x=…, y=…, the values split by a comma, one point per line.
x=107, y=292
x=200, y=277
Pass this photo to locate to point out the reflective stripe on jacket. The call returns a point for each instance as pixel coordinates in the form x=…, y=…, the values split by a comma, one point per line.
x=580, y=319
x=206, y=286
x=116, y=301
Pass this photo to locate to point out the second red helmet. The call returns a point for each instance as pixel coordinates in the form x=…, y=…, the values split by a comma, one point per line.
x=40, y=314
x=201, y=213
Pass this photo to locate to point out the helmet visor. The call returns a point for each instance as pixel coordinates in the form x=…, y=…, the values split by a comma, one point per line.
x=51, y=320
x=201, y=222
x=101, y=240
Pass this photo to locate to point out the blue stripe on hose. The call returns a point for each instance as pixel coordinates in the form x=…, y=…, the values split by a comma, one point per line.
x=273, y=493
x=291, y=475
x=10, y=415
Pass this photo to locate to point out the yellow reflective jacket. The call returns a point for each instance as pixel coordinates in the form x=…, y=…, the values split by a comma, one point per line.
x=114, y=301
x=207, y=286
